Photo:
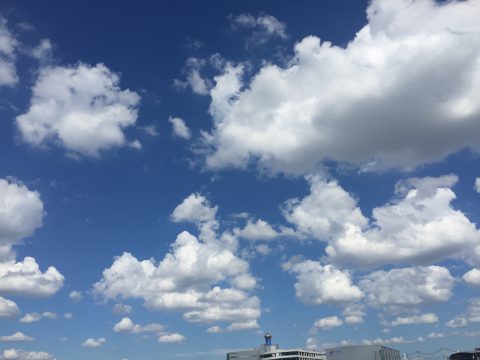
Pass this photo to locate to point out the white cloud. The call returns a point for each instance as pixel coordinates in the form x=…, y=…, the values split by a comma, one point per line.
x=8, y=308
x=94, y=343
x=472, y=277
x=410, y=73
x=354, y=314
x=392, y=340
x=195, y=208
x=263, y=27
x=477, y=185
x=122, y=309
x=186, y=280
x=263, y=249
x=16, y=337
x=126, y=325
x=328, y=322
x=35, y=316
x=471, y=315
x=325, y=211
x=179, y=128
x=194, y=79
x=407, y=287
x=26, y=279
x=8, y=43
x=214, y=330
x=16, y=354
x=436, y=335
x=68, y=316
x=318, y=284
x=43, y=51
x=80, y=108
x=428, y=318
x=21, y=212
x=418, y=226
x=150, y=130
x=171, y=338
x=75, y=295
x=246, y=325
x=261, y=230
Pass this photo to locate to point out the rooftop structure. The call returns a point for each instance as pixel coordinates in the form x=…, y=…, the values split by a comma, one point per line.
x=270, y=352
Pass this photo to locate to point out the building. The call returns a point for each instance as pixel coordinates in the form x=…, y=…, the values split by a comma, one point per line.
x=273, y=352
x=362, y=352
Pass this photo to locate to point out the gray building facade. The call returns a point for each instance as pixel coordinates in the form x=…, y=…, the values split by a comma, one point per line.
x=362, y=352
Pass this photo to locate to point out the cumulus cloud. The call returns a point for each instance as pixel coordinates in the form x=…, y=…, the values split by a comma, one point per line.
x=8, y=43
x=261, y=230
x=80, y=108
x=405, y=288
x=195, y=208
x=122, y=309
x=187, y=279
x=324, y=212
x=179, y=128
x=171, y=338
x=94, y=343
x=193, y=78
x=318, y=284
x=471, y=315
x=428, y=318
x=21, y=213
x=472, y=277
x=328, y=322
x=126, y=325
x=75, y=295
x=411, y=73
x=16, y=337
x=26, y=279
x=35, y=316
x=16, y=354
x=419, y=226
x=8, y=308
x=354, y=313
x=263, y=27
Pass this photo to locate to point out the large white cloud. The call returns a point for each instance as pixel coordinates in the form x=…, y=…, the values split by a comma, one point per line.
x=81, y=108
x=418, y=226
x=406, y=288
x=411, y=73
x=191, y=278
x=318, y=284
x=8, y=43
x=21, y=213
x=25, y=278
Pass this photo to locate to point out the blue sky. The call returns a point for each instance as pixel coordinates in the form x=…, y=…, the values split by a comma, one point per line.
x=178, y=178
